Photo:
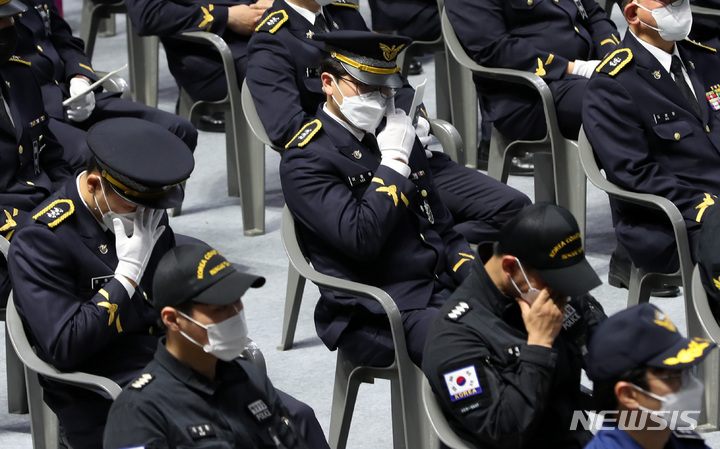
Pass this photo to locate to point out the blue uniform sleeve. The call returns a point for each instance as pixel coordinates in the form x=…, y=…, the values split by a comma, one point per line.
x=133, y=422
x=67, y=328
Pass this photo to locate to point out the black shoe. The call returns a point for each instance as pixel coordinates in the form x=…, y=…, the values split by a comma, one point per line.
x=520, y=166
x=415, y=67
x=214, y=123
x=619, y=276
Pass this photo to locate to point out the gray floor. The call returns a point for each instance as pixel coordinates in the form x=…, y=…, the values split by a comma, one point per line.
x=307, y=370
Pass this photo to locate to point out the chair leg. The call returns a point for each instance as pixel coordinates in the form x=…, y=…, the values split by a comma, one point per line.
x=89, y=23
x=398, y=419
x=571, y=184
x=250, y=160
x=143, y=61
x=43, y=422
x=293, y=299
x=345, y=393
x=496, y=158
x=544, y=179
x=442, y=89
x=634, y=289
x=17, y=393
x=464, y=107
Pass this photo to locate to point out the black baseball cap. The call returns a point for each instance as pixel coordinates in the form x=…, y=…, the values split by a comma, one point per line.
x=201, y=274
x=641, y=336
x=546, y=238
x=370, y=58
x=11, y=7
x=144, y=162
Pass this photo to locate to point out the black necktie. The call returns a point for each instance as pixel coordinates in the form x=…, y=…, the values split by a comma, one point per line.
x=676, y=70
x=5, y=121
x=321, y=23
x=370, y=142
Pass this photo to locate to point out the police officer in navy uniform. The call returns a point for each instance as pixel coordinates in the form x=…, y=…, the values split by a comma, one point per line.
x=504, y=356
x=31, y=159
x=643, y=369
x=196, y=391
x=652, y=135
x=82, y=272
x=559, y=40
x=283, y=60
x=196, y=67
x=63, y=70
x=367, y=207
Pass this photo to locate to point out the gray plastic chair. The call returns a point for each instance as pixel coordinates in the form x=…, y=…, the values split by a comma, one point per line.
x=558, y=177
x=17, y=397
x=43, y=422
x=438, y=421
x=701, y=11
x=702, y=324
x=142, y=51
x=245, y=153
x=642, y=281
x=253, y=118
x=452, y=145
x=410, y=427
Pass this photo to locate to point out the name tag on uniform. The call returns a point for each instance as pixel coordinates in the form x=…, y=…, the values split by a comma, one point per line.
x=360, y=178
x=99, y=282
x=200, y=431
x=665, y=117
x=259, y=410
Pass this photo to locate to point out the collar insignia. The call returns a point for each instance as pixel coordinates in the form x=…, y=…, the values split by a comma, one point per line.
x=656, y=74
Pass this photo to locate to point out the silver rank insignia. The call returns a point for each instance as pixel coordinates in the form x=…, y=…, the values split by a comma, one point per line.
x=656, y=74
x=309, y=34
x=458, y=311
x=357, y=154
x=142, y=381
x=103, y=248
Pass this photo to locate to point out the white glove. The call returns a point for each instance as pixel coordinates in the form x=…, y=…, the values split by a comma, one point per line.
x=81, y=108
x=134, y=252
x=396, y=140
x=422, y=129
x=585, y=68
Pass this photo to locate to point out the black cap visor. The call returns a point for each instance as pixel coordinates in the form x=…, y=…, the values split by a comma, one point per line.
x=229, y=289
x=573, y=280
x=391, y=80
x=11, y=8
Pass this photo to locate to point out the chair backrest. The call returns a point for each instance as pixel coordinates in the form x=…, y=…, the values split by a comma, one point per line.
x=438, y=421
x=253, y=118
x=702, y=11
x=27, y=355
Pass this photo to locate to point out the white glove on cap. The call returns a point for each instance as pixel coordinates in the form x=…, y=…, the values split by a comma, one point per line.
x=81, y=108
x=134, y=252
x=585, y=68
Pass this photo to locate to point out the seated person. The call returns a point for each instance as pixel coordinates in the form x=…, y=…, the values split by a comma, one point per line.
x=653, y=118
x=82, y=271
x=367, y=208
x=504, y=356
x=32, y=164
x=283, y=65
x=197, y=68
x=706, y=29
x=644, y=369
x=59, y=63
x=561, y=41
x=708, y=255
x=196, y=368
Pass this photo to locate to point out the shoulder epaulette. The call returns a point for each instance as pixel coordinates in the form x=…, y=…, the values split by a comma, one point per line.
x=142, y=381
x=21, y=61
x=55, y=212
x=346, y=3
x=273, y=22
x=459, y=310
x=7, y=227
x=615, y=62
x=701, y=45
x=305, y=134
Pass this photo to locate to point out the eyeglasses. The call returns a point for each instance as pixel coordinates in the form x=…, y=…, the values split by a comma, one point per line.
x=671, y=3
x=678, y=378
x=362, y=88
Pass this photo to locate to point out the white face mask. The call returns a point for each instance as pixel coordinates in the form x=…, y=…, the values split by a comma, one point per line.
x=673, y=22
x=226, y=339
x=128, y=220
x=529, y=296
x=687, y=399
x=363, y=111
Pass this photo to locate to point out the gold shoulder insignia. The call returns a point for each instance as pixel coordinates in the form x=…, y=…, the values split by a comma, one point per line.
x=21, y=61
x=7, y=228
x=305, y=134
x=142, y=381
x=55, y=212
x=273, y=22
x=615, y=62
x=701, y=45
x=345, y=3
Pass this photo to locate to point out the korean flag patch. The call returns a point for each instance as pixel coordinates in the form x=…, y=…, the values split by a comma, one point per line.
x=463, y=383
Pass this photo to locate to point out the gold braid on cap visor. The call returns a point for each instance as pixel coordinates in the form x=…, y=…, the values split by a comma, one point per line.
x=364, y=67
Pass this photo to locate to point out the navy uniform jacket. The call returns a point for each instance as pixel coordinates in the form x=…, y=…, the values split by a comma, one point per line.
x=495, y=389
x=189, y=63
x=282, y=66
x=538, y=36
x=24, y=185
x=172, y=406
x=418, y=19
x=706, y=28
x=647, y=139
x=619, y=439
x=79, y=316
x=365, y=222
